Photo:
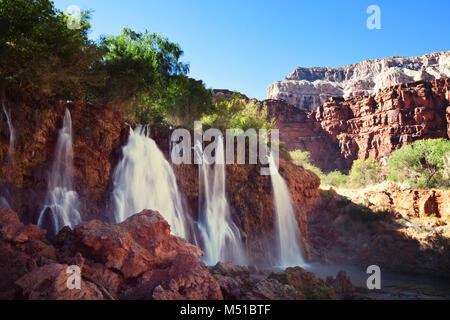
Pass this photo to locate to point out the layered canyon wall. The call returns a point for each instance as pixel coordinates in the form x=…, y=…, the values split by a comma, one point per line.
x=308, y=88
x=372, y=126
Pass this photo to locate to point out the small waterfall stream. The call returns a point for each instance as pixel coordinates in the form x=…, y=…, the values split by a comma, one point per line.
x=4, y=203
x=62, y=203
x=144, y=179
x=12, y=133
x=220, y=236
x=10, y=172
x=289, y=245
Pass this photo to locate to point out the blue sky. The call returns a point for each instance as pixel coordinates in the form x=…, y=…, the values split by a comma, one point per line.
x=246, y=45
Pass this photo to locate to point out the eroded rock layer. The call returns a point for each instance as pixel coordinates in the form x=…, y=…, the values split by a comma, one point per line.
x=308, y=88
x=359, y=127
x=98, y=133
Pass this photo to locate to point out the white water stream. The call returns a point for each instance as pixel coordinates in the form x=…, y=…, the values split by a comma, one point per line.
x=221, y=239
x=62, y=202
x=144, y=179
x=288, y=237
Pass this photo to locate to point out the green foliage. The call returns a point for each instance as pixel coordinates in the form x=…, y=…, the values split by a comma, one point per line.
x=365, y=172
x=425, y=164
x=139, y=67
x=302, y=158
x=139, y=74
x=238, y=113
x=184, y=101
x=39, y=54
x=335, y=179
x=421, y=164
x=148, y=83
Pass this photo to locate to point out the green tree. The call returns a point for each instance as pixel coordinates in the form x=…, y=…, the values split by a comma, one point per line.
x=420, y=163
x=140, y=67
x=237, y=112
x=148, y=82
x=365, y=172
x=40, y=55
x=184, y=101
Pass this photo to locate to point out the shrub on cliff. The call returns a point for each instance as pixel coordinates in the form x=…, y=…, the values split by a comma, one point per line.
x=335, y=179
x=183, y=101
x=237, y=113
x=421, y=164
x=302, y=158
x=365, y=172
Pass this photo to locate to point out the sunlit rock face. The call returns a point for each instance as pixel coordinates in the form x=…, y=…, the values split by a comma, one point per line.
x=342, y=130
x=308, y=88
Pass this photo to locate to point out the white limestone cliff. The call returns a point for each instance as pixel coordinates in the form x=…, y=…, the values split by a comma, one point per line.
x=307, y=88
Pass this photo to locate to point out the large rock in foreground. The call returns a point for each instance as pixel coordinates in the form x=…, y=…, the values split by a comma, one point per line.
x=50, y=283
x=292, y=284
x=140, y=259
x=22, y=250
x=137, y=259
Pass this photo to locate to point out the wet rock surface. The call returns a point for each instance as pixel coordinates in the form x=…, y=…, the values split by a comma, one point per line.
x=99, y=133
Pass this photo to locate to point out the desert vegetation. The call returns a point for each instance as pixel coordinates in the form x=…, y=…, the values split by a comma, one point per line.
x=422, y=164
x=138, y=73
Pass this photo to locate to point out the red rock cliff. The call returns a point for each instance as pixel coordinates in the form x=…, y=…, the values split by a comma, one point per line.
x=345, y=129
x=99, y=134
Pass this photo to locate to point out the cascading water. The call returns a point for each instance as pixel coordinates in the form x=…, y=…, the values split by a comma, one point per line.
x=289, y=246
x=4, y=203
x=220, y=236
x=62, y=202
x=144, y=179
x=12, y=133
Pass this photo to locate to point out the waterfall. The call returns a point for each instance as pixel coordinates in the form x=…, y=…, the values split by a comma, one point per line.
x=144, y=179
x=220, y=236
x=4, y=203
x=62, y=202
x=12, y=133
x=288, y=237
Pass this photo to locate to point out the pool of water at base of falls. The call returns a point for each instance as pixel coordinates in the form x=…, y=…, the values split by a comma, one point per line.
x=394, y=285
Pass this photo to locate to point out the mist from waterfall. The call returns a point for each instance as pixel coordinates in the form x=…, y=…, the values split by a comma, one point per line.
x=288, y=238
x=221, y=239
x=144, y=179
x=62, y=203
x=12, y=133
